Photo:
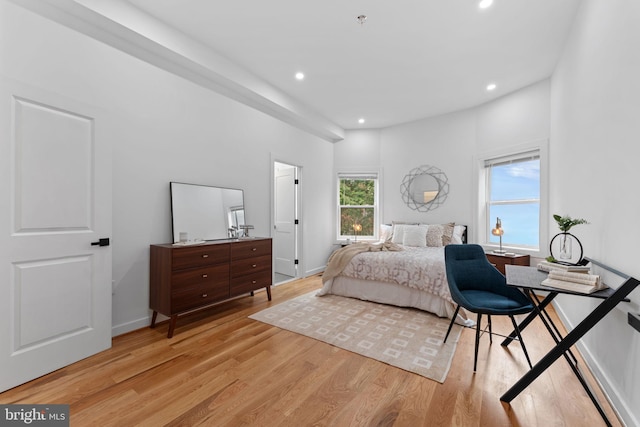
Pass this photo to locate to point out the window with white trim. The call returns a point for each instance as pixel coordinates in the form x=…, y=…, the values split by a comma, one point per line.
x=357, y=206
x=512, y=194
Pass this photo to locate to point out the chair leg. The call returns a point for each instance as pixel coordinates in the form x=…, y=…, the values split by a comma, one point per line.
x=475, y=356
x=490, y=331
x=517, y=329
x=453, y=319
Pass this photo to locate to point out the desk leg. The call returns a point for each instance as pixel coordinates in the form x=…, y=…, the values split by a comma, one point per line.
x=530, y=316
x=571, y=339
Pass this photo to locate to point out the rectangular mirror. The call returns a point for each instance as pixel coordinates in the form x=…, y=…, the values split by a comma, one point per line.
x=205, y=212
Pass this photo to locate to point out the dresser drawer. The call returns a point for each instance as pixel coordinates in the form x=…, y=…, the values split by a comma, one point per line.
x=250, y=249
x=212, y=275
x=197, y=296
x=247, y=266
x=198, y=256
x=250, y=282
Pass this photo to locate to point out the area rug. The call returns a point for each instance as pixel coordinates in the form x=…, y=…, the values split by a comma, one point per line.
x=402, y=337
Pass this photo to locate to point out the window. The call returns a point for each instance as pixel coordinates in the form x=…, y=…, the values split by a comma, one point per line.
x=357, y=206
x=513, y=195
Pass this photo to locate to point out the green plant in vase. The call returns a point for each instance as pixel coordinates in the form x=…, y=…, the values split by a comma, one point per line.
x=565, y=223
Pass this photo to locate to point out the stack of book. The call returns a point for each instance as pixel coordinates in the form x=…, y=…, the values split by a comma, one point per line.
x=581, y=282
x=548, y=266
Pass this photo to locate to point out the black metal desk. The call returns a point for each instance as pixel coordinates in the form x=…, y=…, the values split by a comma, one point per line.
x=529, y=280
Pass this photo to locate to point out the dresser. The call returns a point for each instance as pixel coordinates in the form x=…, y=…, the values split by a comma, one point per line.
x=186, y=278
x=500, y=260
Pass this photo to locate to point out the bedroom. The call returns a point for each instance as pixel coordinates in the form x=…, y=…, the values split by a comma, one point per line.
x=586, y=109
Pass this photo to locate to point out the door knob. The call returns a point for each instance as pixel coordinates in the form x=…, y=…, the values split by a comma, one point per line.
x=101, y=242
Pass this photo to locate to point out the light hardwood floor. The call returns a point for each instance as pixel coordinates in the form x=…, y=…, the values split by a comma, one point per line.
x=221, y=368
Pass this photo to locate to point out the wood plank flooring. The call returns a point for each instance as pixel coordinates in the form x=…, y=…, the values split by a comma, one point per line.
x=223, y=369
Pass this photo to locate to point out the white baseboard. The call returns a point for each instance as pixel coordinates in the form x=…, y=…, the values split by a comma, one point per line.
x=130, y=326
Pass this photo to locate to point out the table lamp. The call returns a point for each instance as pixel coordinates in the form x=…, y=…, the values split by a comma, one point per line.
x=498, y=231
x=357, y=228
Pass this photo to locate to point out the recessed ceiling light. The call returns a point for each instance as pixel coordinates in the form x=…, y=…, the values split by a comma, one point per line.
x=485, y=4
x=299, y=76
x=361, y=120
x=491, y=86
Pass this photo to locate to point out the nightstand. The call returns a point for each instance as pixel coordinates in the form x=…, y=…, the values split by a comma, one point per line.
x=500, y=260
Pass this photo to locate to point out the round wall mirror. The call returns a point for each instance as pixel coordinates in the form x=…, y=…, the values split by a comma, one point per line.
x=424, y=188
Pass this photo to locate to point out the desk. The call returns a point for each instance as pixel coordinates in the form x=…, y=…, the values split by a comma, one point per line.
x=529, y=279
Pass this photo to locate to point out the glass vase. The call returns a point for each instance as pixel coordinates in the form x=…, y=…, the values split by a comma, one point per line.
x=565, y=246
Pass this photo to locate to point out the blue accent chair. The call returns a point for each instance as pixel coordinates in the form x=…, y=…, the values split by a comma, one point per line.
x=477, y=286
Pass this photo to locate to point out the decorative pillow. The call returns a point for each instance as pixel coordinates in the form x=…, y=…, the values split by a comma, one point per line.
x=447, y=233
x=434, y=235
x=415, y=235
x=456, y=237
x=386, y=231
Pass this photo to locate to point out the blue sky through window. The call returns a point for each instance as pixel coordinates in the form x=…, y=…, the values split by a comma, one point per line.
x=516, y=182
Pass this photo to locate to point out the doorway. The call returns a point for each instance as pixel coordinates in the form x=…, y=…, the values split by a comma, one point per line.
x=285, y=222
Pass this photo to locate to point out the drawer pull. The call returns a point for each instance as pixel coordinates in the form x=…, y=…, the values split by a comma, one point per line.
x=205, y=256
x=204, y=276
x=205, y=295
x=254, y=266
x=254, y=249
x=253, y=282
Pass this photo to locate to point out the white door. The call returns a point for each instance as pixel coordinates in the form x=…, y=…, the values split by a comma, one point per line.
x=55, y=184
x=284, y=216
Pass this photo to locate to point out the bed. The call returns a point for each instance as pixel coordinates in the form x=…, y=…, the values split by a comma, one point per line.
x=405, y=269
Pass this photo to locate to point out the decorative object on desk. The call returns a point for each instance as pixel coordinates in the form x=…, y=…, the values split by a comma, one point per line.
x=424, y=188
x=498, y=231
x=564, y=250
x=357, y=228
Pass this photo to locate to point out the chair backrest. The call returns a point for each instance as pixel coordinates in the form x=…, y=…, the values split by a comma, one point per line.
x=468, y=268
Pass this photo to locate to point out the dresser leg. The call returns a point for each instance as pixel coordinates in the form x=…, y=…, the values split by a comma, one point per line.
x=153, y=319
x=269, y=292
x=172, y=326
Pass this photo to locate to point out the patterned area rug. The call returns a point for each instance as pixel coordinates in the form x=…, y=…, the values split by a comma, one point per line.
x=402, y=337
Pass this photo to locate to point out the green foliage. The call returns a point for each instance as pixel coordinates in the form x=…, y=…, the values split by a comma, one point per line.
x=566, y=222
x=357, y=198
x=357, y=192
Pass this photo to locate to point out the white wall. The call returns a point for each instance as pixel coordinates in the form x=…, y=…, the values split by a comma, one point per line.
x=449, y=142
x=595, y=129
x=166, y=129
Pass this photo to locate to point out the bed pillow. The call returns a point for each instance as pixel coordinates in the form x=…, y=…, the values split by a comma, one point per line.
x=447, y=233
x=398, y=233
x=415, y=235
x=456, y=237
x=434, y=235
x=398, y=230
x=386, y=231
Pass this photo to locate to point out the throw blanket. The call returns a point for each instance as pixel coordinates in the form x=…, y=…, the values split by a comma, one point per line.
x=340, y=258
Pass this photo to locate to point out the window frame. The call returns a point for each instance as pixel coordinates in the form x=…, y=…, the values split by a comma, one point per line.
x=368, y=174
x=483, y=223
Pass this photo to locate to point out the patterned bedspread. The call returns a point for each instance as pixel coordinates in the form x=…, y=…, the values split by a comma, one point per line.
x=420, y=268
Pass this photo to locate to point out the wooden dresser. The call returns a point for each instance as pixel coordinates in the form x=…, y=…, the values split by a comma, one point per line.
x=500, y=260
x=186, y=278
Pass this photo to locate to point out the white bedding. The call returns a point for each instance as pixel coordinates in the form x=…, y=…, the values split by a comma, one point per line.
x=414, y=277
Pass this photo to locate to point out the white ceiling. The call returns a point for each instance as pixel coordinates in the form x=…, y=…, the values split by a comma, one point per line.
x=411, y=59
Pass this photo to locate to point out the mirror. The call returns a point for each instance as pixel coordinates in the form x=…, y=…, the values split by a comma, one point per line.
x=424, y=188
x=205, y=212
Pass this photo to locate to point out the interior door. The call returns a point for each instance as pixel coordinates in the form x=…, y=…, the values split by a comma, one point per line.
x=56, y=286
x=285, y=216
